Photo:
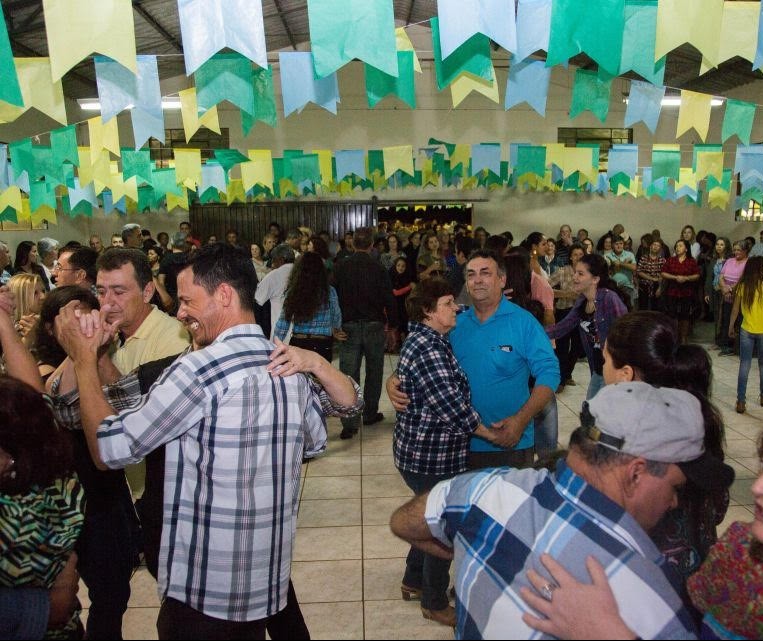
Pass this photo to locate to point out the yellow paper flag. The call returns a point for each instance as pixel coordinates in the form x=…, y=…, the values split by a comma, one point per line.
x=43, y=214
x=694, y=112
x=121, y=187
x=188, y=167
x=236, y=191
x=259, y=171
x=686, y=178
x=11, y=197
x=403, y=43
x=579, y=160
x=461, y=156
x=555, y=154
x=37, y=91
x=103, y=135
x=345, y=188
x=98, y=171
x=325, y=157
x=428, y=174
x=693, y=21
x=189, y=109
x=77, y=28
x=174, y=201
x=465, y=83
x=718, y=198
x=739, y=33
x=710, y=163
x=398, y=158
x=287, y=187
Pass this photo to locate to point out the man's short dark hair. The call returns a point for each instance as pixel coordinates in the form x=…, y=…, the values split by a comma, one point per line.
x=219, y=263
x=282, y=251
x=497, y=244
x=84, y=258
x=464, y=245
x=423, y=299
x=491, y=255
x=363, y=238
x=116, y=257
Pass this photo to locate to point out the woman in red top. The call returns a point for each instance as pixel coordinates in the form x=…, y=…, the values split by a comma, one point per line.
x=681, y=273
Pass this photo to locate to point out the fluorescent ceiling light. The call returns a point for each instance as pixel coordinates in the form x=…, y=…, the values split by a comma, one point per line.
x=675, y=101
x=93, y=104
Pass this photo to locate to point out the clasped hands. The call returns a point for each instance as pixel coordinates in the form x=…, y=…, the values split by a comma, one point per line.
x=84, y=334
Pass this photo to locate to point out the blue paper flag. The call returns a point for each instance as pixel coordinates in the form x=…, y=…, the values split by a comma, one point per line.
x=749, y=162
x=623, y=159
x=461, y=19
x=4, y=167
x=79, y=194
x=486, y=156
x=300, y=86
x=639, y=37
x=349, y=162
x=533, y=27
x=514, y=152
x=109, y=205
x=528, y=82
x=212, y=175
x=644, y=104
x=207, y=26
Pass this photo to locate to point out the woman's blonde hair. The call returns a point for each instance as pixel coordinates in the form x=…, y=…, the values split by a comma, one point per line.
x=22, y=286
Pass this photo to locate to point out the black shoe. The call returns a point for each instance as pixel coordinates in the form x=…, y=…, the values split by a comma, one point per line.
x=346, y=433
x=376, y=418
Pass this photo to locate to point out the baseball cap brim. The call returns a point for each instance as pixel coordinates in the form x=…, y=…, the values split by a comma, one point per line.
x=708, y=473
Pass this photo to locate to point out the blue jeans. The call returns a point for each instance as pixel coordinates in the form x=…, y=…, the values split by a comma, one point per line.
x=429, y=573
x=364, y=339
x=546, y=425
x=747, y=342
x=597, y=382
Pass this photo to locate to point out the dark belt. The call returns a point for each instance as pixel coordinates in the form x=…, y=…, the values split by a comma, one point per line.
x=320, y=337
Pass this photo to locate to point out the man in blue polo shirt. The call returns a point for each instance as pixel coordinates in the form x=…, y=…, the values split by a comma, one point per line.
x=499, y=345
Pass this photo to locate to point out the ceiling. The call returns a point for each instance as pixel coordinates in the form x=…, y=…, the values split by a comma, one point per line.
x=157, y=31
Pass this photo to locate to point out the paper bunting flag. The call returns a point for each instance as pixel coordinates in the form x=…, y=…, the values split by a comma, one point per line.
x=306, y=169
x=165, y=182
x=528, y=82
x=42, y=194
x=694, y=112
x=738, y=120
x=486, y=156
x=341, y=30
x=229, y=158
x=213, y=175
x=461, y=19
x=187, y=167
x=531, y=159
x=666, y=161
x=98, y=170
x=350, y=162
x=644, y=104
x=63, y=142
x=326, y=165
x=190, y=112
x=43, y=165
x=404, y=43
x=10, y=90
x=465, y=83
x=686, y=185
x=175, y=201
x=103, y=135
x=749, y=162
x=398, y=158
x=235, y=192
x=225, y=76
x=300, y=86
x=77, y=28
x=533, y=27
x=379, y=84
x=138, y=164
x=623, y=159
x=264, y=101
x=596, y=30
x=37, y=90
x=22, y=162
x=591, y=92
x=694, y=21
x=79, y=194
x=758, y=63
x=472, y=57
x=639, y=40
x=10, y=197
x=461, y=155
x=259, y=169
x=739, y=33
x=708, y=161
x=207, y=26
x=581, y=160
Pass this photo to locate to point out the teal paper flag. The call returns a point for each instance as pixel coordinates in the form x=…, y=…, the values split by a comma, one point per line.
x=229, y=158
x=644, y=104
x=341, y=30
x=591, y=92
x=225, y=76
x=306, y=168
x=594, y=27
x=639, y=36
x=137, y=163
x=666, y=163
x=22, y=159
x=472, y=57
x=738, y=120
x=63, y=142
x=10, y=91
x=44, y=165
x=380, y=84
x=264, y=100
x=41, y=193
x=165, y=182
x=530, y=160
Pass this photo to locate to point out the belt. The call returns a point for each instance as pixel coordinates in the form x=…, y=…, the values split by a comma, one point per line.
x=320, y=337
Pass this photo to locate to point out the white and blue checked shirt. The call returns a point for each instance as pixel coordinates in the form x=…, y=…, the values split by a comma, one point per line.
x=500, y=521
x=234, y=438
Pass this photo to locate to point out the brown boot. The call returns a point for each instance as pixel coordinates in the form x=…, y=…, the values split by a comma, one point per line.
x=446, y=616
x=741, y=407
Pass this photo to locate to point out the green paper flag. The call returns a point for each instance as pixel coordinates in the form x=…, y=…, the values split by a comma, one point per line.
x=639, y=36
x=45, y=165
x=41, y=193
x=10, y=91
x=594, y=27
x=225, y=76
x=738, y=120
x=725, y=182
x=22, y=158
x=530, y=160
x=264, y=100
x=306, y=167
x=165, y=182
x=380, y=84
x=619, y=179
x=375, y=161
x=590, y=92
x=666, y=163
x=229, y=158
x=137, y=162
x=64, y=144
x=210, y=195
x=472, y=57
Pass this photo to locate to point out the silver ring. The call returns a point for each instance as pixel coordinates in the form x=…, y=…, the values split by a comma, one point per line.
x=547, y=591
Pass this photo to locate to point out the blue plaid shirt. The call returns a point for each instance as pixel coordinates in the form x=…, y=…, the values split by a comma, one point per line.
x=432, y=434
x=500, y=521
x=324, y=322
x=234, y=440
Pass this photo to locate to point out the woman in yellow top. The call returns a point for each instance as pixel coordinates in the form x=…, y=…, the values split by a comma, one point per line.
x=749, y=298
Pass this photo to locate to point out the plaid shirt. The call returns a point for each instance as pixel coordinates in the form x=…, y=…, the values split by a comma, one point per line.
x=323, y=322
x=561, y=279
x=432, y=434
x=234, y=439
x=500, y=521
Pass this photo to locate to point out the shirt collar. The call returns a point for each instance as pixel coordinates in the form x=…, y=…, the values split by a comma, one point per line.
x=244, y=329
x=505, y=308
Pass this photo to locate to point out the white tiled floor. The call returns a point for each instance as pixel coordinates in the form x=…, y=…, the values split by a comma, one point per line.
x=347, y=565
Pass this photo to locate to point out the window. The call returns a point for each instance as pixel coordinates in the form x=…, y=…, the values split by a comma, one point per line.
x=603, y=136
x=751, y=213
x=204, y=139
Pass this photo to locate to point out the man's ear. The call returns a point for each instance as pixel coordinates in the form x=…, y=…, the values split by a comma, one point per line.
x=633, y=476
x=148, y=291
x=225, y=294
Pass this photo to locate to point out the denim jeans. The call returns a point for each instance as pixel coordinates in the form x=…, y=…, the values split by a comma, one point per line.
x=546, y=425
x=597, y=382
x=747, y=342
x=364, y=339
x=422, y=570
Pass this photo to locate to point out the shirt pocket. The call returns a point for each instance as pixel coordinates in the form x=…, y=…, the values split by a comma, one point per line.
x=506, y=361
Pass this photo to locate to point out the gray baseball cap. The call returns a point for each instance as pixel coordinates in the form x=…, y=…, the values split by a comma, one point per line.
x=660, y=424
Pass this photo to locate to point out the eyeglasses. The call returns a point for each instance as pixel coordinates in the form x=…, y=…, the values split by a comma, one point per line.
x=57, y=268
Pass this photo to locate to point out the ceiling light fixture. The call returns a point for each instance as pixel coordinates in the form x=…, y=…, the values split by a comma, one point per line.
x=675, y=101
x=93, y=104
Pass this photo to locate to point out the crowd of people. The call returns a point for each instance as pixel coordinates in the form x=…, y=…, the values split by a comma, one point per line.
x=202, y=371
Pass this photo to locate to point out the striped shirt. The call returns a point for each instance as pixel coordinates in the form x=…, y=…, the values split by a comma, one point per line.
x=500, y=521
x=324, y=321
x=234, y=439
x=432, y=434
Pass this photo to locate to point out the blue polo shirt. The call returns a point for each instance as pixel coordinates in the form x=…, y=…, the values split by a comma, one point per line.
x=499, y=356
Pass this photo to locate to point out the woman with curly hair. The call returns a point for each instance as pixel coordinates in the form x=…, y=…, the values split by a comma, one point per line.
x=311, y=308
